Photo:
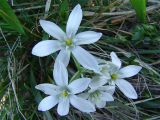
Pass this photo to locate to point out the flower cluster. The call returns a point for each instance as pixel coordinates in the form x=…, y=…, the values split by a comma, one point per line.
x=85, y=94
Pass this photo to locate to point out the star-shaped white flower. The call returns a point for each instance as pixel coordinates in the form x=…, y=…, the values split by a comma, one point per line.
x=112, y=73
x=68, y=42
x=99, y=95
x=63, y=93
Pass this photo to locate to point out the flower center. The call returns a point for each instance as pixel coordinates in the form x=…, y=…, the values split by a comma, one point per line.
x=69, y=42
x=65, y=93
x=96, y=94
x=114, y=76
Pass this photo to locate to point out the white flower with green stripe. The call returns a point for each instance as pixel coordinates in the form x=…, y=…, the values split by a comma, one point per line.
x=99, y=95
x=112, y=73
x=64, y=93
x=68, y=43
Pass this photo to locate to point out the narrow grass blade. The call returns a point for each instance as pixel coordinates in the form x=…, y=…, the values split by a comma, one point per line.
x=140, y=8
x=8, y=15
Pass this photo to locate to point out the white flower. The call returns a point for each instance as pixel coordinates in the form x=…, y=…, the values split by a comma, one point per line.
x=68, y=42
x=63, y=93
x=99, y=95
x=113, y=73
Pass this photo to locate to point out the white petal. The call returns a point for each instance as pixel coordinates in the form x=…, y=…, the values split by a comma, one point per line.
x=105, y=72
x=47, y=103
x=115, y=60
x=106, y=97
x=108, y=88
x=48, y=89
x=87, y=60
x=87, y=37
x=79, y=85
x=53, y=30
x=60, y=74
x=102, y=61
x=129, y=71
x=110, y=68
x=97, y=81
x=74, y=21
x=46, y=47
x=64, y=57
x=63, y=107
x=126, y=88
x=84, y=95
x=101, y=104
x=82, y=104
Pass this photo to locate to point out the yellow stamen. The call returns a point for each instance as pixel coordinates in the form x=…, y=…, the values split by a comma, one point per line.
x=65, y=94
x=114, y=76
x=69, y=42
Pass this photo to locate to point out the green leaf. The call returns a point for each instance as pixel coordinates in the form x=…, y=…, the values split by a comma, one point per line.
x=138, y=33
x=64, y=8
x=140, y=8
x=8, y=16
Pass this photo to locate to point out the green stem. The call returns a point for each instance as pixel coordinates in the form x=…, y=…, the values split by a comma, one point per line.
x=77, y=64
x=79, y=68
x=80, y=71
x=77, y=74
